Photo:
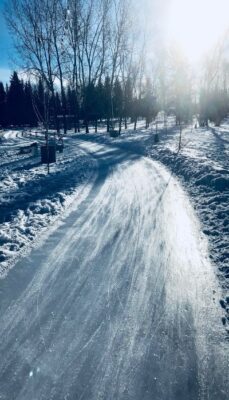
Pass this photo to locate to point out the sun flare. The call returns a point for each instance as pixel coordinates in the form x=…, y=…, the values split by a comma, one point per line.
x=196, y=25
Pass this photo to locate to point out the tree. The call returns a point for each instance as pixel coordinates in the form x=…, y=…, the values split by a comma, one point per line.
x=128, y=99
x=3, y=119
x=31, y=24
x=29, y=114
x=117, y=101
x=16, y=101
x=148, y=103
x=38, y=100
x=86, y=49
x=214, y=98
x=107, y=101
x=89, y=105
x=213, y=106
x=100, y=103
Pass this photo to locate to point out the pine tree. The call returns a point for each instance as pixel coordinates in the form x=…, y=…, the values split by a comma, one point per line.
x=107, y=101
x=73, y=107
x=15, y=101
x=117, y=99
x=118, y=102
x=89, y=105
x=148, y=103
x=3, y=119
x=100, y=106
x=128, y=100
x=57, y=108
x=64, y=109
x=58, y=103
x=30, y=117
x=39, y=101
x=135, y=111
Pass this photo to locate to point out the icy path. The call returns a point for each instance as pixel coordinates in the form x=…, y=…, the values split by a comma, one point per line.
x=118, y=301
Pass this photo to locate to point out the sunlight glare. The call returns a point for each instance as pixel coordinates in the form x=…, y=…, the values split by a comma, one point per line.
x=196, y=25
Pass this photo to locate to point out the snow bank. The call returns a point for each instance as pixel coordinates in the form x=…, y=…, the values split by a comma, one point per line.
x=202, y=164
x=31, y=200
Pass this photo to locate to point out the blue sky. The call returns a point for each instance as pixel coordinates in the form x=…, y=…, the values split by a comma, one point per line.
x=151, y=8
x=163, y=21
x=6, y=48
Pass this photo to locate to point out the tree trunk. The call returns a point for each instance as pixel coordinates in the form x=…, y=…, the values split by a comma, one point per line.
x=125, y=122
x=75, y=123
x=120, y=124
x=86, y=126
x=135, y=124
x=56, y=120
x=64, y=117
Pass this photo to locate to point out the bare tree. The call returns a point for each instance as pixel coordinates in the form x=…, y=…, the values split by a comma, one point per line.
x=77, y=43
x=32, y=29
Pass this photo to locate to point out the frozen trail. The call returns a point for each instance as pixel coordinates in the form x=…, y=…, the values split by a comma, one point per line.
x=117, y=304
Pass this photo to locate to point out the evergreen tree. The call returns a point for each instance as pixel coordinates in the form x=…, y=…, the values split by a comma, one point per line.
x=15, y=101
x=107, y=101
x=76, y=109
x=53, y=106
x=73, y=107
x=135, y=111
x=39, y=101
x=213, y=106
x=30, y=117
x=58, y=103
x=89, y=104
x=58, y=108
x=128, y=100
x=117, y=99
x=148, y=103
x=64, y=109
x=100, y=104
x=118, y=102
x=69, y=105
x=3, y=119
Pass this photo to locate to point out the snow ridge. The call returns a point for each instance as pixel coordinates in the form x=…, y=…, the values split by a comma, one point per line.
x=203, y=167
x=31, y=200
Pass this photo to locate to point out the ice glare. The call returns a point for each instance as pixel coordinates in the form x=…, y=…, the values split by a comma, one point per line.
x=196, y=25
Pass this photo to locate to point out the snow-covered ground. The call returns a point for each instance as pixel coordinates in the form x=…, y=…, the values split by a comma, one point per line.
x=30, y=199
x=202, y=164
x=120, y=301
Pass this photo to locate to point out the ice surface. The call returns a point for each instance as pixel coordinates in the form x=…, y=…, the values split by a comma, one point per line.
x=119, y=300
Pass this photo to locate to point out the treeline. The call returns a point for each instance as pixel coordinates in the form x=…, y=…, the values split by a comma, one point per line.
x=104, y=101
x=213, y=106
x=23, y=103
x=88, y=50
x=92, y=60
x=16, y=103
x=74, y=45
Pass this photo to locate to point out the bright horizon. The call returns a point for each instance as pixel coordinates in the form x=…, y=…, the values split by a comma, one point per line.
x=195, y=26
